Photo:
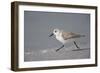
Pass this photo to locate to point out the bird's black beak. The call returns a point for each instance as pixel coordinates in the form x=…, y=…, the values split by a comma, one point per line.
x=51, y=35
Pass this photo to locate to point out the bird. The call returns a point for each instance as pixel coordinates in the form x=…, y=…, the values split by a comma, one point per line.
x=64, y=37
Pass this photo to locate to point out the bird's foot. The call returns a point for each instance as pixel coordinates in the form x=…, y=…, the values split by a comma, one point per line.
x=59, y=48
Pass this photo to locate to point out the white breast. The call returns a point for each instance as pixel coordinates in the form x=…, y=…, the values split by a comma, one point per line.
x=60, y=38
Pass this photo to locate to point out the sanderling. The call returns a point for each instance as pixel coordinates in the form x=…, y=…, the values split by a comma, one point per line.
x=64, y=37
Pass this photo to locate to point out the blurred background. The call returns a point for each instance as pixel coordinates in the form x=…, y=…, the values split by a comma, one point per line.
x=38, y=46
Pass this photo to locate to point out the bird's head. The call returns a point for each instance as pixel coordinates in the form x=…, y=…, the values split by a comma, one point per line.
x=55, y=32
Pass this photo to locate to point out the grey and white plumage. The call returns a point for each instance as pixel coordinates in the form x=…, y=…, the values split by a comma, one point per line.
x=64, y=37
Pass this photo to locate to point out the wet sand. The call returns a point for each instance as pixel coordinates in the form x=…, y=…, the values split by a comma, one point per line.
x=51, y=54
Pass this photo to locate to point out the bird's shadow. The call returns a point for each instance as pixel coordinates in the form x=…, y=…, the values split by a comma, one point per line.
x=80, y=49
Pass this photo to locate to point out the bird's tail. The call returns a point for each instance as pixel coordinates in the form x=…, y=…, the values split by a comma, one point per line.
x=82, y=35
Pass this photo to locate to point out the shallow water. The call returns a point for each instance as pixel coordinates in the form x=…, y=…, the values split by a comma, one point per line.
x=51, y=54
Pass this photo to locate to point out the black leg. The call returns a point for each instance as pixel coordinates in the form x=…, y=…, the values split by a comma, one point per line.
x=60, y=48
x=76, y=45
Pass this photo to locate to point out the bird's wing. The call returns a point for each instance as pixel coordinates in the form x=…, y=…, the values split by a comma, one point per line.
x=69, y=35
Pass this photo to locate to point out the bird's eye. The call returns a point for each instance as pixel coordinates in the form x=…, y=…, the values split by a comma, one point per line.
x=55, y=31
